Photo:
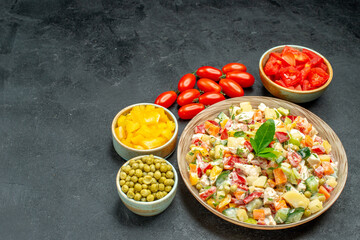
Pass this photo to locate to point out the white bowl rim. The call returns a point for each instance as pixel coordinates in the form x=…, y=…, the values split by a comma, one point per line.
x=144, y=151
x=293, y=90
x=155, y=201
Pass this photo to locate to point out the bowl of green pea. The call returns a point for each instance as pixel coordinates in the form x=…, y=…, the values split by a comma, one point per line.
x=147, y=184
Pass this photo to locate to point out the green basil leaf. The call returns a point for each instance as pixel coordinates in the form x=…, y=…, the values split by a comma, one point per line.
x=254, y=144
x=267, y=155
x=266, y=150
x=264, y=135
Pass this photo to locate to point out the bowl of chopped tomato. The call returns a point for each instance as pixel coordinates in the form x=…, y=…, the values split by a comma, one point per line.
x=295, y=73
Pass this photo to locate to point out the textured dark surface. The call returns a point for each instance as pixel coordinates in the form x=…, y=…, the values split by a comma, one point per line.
x=67, y=67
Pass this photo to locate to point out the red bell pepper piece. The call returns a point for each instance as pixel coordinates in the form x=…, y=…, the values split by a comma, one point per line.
x=207, y=193
x=247, y=144
x=294, y=158
x=319, y=172
x=282, y=136
x=224, y=134
x=236, y=179
x=318, y=149
x=328, y=187
x=229, y=162
x=252, y=197
x=200, y=129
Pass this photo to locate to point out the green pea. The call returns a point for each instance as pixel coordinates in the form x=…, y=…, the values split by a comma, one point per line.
x=127, y=183
x=152, y=168
x=198, y=186
x=130, y=194
x=307, y=213
x=138, y=173
x=147, y=179
x=127, y=178
x=153, y=181
x=150, y=198
x=163, y=168
x=169, y=167
x=169, y=182
x=168, y=188
x=138, y=187
x=169, y=174
x=137, y=197
x=157, y=175
x=141, y=166
x=151, y=174
x=144, y=192
x=322, y=198
x=135, y=166
x=322, y=181
x=125, y=188
x=131, y=189
x=158, y=195
x=221, y=165
x=131, y=172
x=154, y=187
x=227, y=188
x=122, y=182
x=123, y=175
x=163, y=174
x=131, y=184
x=144, y=186
x=143, y=199
x=156, y=160
x=307, y=194
x=149, y=160
x=146, y=168
x=212, y=153
x=233, y=188
x=134, y=179
x=157, y=165
x=213, y=141
x=131, y=162
x=162, y=179
x=208, y=171
x=161, y=187
x=164, y=193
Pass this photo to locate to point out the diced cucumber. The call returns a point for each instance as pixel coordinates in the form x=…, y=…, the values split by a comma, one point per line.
x=304, y=152
x=283, y=111
x=287, y=121
x=279, y=159
x=316, y=196
x=221, y=178
x=289, y=174
x=312, y=184
x=295, y=215
x=230, y=212
x=254, y=204
x=294, y=141
x=222, y=116
x=281, y=215
x=251, y=221
x=296, y=173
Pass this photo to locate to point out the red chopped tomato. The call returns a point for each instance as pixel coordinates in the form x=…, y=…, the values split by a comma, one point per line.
x=252, y=197
x=298, y=87
x=294, y=158
x=306, y=85
x=314, y=58
x=318, y=149
x=280, y=82
x=282, y=136
x=301, y=58
x=317, y=77
x=290, y=76
x=272, y=66
x=207, y=193
x=200, y=129
x=289, y=58
x=323, y=67
x=288, y=49
x=292, y=117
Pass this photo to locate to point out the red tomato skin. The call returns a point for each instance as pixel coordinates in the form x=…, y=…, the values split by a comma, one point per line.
x=186, y=82
x=211, y=98
x=209, y=72
x=244, y=79
x=190, y=110
x=231, y=88
x=187, y=96
x=166, y=99
x=230, y=67
x=208, y=85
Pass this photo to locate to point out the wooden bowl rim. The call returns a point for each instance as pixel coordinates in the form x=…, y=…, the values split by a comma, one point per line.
x=145, y=151
x=327, y=205
x=274, y=49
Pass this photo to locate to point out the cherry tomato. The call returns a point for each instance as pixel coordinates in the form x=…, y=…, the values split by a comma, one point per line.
x=230, y=67
x=208, y=85
x=190, y=110
x=188, y=96
x=209, y=72
x=166, y=99
x=244, y=79
x=231, y=88
x=211, y=98
x=187, y=82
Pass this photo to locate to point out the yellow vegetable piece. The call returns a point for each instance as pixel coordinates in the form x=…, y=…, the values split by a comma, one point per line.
x=215, y=172
x=121, y=120
x=211, y=202
x=223, y=123
x=132, y=126
x=327, y=146
x=296, y=199
x=325, y=158
x=153, y=143
x=194, y=179
x=225, y=201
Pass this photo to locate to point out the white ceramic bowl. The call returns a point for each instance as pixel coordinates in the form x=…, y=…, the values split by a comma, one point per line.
x=147, y=208
x=127, y=152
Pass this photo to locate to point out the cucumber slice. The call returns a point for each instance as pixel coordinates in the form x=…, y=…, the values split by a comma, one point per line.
x=230, y=212
x=221, y=178
x=254, y=204
x=282, y=215
x=312, y=184
x=251, y=221
x=295, y=215
x=283, y=111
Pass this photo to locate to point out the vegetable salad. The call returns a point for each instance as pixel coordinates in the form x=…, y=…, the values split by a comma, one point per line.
x=261, y=166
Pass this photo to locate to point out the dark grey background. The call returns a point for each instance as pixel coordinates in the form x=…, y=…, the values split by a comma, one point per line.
x=67, y=67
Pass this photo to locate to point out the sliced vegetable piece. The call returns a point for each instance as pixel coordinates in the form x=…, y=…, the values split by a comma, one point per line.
x=296, y=215
x=281, y=215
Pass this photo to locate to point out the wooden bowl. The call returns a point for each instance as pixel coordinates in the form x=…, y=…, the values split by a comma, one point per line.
x=324, y=131
x=289, y=94
x=127, y=152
